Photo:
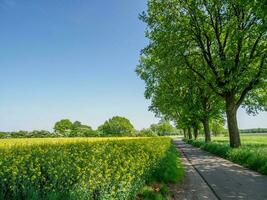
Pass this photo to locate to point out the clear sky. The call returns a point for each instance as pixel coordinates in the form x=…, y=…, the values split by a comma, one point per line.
x=74, y=59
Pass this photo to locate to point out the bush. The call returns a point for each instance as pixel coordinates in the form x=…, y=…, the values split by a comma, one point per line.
x=79, y=168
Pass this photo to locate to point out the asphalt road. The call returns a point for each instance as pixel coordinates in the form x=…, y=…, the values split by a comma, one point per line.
x=211, y=177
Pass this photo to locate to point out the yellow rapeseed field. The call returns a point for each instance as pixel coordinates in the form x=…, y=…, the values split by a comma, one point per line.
x=78, y=168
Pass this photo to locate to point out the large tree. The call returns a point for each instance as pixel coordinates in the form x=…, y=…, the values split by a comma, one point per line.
x=223, y=42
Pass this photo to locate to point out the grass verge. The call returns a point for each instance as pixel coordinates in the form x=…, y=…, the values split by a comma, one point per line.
x=170, y=170
x=252, y=156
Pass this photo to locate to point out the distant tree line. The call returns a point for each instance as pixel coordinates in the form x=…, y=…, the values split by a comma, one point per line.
x=27, y=134
x=115, y=126
x=254, y=130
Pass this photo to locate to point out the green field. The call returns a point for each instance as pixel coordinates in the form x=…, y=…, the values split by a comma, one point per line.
x=247, y=139
x=252, y=154
x=85, y=168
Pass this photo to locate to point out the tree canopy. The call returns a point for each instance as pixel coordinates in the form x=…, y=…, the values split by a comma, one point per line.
x=163, y=128
x=222, y=43
x=117, y=126
x=63, y=126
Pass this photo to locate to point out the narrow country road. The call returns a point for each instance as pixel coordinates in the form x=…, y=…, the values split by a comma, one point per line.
x=211, y=177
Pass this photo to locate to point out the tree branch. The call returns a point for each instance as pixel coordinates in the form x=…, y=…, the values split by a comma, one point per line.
x=252, y=83
x=190, y=67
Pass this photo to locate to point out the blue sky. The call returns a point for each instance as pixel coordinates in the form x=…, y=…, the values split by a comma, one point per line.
x=74, y=59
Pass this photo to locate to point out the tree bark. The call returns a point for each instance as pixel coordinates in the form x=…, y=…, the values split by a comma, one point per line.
x=206, y=130
x=184, y=131
x=231, y=110
x=189, y=134
x=195, y=133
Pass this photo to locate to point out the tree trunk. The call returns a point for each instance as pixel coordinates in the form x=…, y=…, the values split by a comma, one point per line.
x=189, y=134
x=195, y=133
x=206, y=130
x=231, y=110
x=184, y=131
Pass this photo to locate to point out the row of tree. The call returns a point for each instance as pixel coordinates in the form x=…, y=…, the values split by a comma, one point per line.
x=205, y=59
x=254, y=130
x=115, y=126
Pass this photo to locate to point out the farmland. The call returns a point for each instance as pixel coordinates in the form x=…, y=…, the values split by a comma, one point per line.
x=81, y=168
x=252, y=154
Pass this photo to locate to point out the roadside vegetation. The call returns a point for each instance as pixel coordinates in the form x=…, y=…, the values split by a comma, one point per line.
x=170, y=171
x=252, y=154
x=81, y=168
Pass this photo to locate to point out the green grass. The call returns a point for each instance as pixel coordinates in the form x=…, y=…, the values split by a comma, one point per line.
x=170, y=170
x=252, y=154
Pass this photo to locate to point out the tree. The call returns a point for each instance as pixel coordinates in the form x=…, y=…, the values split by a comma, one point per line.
x=40, y=134
x=63, y=127
x=217, y=127
x=117, y=126
x=80, y=130
x=222, y=42
x=2, y=135
x=163, y=128
x=148, y=132
x=179, y=95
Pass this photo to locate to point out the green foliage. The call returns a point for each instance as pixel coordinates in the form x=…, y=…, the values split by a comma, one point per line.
x=163, y=128
x=79, y=168
x=40, y=134
x=217, y=127
x=149, y=194
x=63, y=127
x=117, y=126
x=27, y=134
x=254, y=130
x=170, y=169
x=202, y=53
x=66, y=128
x=156, y=191
x=2, y=135
x=80, y=130
x=148, y=132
